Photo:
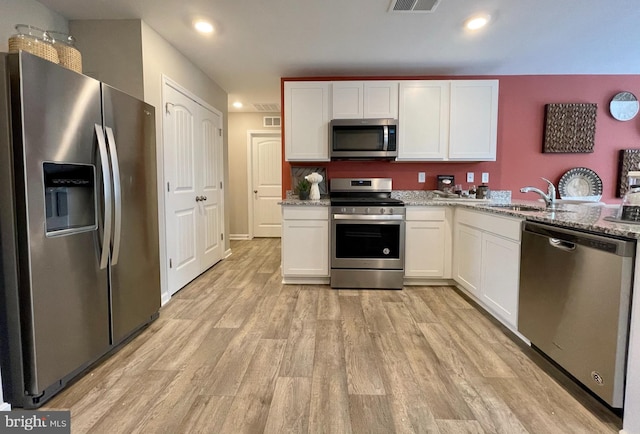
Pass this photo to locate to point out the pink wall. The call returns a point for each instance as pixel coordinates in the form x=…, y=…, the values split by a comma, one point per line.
x=520, y=160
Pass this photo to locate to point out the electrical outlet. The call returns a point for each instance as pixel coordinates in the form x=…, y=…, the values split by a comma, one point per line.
x=470, y=177
x=485, y=177
x=421, y=177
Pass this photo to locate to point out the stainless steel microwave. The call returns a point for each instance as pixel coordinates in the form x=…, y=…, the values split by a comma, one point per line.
x=364, y=139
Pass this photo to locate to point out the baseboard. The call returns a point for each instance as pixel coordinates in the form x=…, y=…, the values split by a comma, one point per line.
x=426, y=281
x=227, y=253
x=305, y=280
x=5, y=406
x=238, y=237
x=165, y=298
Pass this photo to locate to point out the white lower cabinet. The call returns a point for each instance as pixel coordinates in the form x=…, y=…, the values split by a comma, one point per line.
x=428, y=242
x=305, y=244
x=487, y=261
x=468, y=251
x=500, y=276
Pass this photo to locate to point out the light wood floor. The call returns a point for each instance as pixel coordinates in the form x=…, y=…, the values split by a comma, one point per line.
x=238, y=352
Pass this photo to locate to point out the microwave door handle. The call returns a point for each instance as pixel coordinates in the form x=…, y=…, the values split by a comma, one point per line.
x=117, y=196
x=385, y=141
x=106, y=185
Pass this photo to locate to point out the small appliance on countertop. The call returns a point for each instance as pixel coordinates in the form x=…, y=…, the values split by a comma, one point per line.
x=446, y=183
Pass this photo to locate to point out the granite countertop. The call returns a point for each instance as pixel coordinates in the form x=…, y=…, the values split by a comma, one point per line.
x=586, y=217
x=306, y=202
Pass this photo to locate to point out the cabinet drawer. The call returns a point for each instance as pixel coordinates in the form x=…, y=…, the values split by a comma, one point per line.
x=425, y=214
x=507, y=227
x=305, y=212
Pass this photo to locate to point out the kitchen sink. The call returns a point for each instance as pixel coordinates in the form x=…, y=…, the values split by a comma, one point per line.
x=514, y=207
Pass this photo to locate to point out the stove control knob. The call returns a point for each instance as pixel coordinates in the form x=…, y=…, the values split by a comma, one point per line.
x=390, y=210
x=353, y=210
x=381, y=210
x=343, y=210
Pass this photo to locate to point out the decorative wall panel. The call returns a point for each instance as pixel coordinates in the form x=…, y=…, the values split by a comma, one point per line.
x=629, y=162
x=570, y=127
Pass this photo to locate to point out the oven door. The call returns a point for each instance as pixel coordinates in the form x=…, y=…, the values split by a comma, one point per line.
x=367, y=242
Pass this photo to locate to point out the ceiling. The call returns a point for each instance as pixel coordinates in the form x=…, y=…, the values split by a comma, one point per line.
x=256, y=42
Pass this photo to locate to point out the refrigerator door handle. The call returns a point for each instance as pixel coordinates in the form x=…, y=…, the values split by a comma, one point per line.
x=117, y=195
x=106, y=186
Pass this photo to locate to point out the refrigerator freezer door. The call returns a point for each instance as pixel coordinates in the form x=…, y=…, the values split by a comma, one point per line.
x=135, y=275
x=63, y=292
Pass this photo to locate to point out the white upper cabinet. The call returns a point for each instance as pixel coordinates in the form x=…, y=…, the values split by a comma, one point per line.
x=307, y=113
x=423, y=120
x=474, y=120
x=365, y=99
x=441, y=120
x=348, y=99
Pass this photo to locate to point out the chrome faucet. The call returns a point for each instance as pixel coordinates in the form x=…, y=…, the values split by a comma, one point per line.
x=549, y=197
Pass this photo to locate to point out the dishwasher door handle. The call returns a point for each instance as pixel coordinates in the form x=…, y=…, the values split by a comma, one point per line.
x=562, y=245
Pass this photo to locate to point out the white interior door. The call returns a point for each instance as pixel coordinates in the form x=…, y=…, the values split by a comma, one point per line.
x=193, y=173
x=266, y=173
x=210, y=240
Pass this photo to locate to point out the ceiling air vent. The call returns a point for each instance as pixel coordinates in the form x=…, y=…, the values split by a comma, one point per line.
x=267, y=107
x=413, y=5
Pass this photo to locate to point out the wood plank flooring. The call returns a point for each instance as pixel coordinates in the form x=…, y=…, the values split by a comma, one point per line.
x=238, y=352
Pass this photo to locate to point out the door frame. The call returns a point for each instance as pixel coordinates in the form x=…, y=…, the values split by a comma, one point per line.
x=251, y=134
x=162, y=183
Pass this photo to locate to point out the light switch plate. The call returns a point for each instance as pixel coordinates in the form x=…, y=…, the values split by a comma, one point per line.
x=485, y=177
x=421, y=177
x=470, y=177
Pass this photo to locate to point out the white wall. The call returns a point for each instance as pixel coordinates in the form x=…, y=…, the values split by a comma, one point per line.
x=31, y=12
x=111, y=52
x=239, y=124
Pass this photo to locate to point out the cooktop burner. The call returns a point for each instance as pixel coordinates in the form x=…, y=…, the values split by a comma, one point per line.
x=362, y=192
x=365, y=201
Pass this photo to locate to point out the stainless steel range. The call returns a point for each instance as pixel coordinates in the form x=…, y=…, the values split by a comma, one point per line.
x=367, y=234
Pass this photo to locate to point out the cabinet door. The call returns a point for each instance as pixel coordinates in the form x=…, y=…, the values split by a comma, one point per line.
x=423, y=118
x=306, y=121
x=500, y=276
x=348, y=99
x=468, y=261
x=305, y=248
x=474, y=120
x=380, y=99
x=425, y=249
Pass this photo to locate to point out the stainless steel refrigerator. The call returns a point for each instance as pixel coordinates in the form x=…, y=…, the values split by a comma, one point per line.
x=78, y=224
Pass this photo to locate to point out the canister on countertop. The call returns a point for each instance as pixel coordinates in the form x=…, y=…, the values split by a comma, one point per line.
x=630, y=208
x=483, y=191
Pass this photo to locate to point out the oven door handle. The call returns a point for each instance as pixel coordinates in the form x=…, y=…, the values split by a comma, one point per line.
x=368, y=217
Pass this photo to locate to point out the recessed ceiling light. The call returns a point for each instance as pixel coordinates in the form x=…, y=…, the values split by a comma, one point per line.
x=203, y=26
x=237, y=104
x=477, y=22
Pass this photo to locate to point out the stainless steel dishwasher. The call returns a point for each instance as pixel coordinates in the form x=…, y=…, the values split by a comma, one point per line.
x=575, y=294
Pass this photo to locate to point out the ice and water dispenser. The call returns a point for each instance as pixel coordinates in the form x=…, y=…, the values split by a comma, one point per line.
x=70, y=198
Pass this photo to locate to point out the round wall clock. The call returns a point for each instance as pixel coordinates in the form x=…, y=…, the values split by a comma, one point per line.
x=624, y=106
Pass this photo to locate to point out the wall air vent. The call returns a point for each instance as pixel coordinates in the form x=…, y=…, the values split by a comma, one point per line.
x=267, y=107
x=413, y=5
x=271, y=121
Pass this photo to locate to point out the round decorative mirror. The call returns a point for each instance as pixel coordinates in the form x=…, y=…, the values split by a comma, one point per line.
x=624, y=106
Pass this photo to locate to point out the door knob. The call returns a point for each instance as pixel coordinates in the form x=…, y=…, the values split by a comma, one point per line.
x=198, y=198
x=255, y=191
x=204, y=197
